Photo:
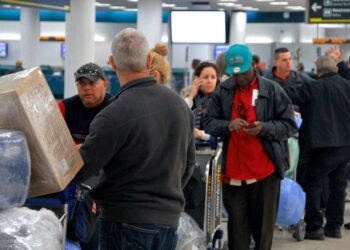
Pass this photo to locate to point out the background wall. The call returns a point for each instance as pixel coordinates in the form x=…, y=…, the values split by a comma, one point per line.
x=263, y=38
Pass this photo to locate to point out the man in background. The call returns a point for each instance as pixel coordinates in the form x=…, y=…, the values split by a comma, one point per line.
x=255, y=118
x=78, y=112
x=325, y=138
x=143, y=141
x=282, y=70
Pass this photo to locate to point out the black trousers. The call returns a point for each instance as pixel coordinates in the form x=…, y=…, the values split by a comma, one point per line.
x=252, y=211
x=326, y=164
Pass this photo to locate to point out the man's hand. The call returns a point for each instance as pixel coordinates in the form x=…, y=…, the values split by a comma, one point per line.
x=253, y=128
x=197, y=133
x=335, y=52
x=237, y=124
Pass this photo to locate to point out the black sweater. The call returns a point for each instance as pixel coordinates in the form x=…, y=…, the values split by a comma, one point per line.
x=144, y=143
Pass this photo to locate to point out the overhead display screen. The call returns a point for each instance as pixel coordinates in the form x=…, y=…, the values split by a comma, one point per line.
x=63, y=5
x=198, y=27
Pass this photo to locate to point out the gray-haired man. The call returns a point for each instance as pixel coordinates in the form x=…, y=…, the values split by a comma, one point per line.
x=325, y=137
x=144, y=143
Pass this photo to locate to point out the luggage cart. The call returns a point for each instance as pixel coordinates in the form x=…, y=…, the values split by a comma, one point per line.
x=58, y=203
x=297, y=230
x=213, y=200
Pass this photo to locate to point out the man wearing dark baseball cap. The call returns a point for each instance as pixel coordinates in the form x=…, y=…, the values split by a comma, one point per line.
x=91, y=71
x=78, y=112
x=254, y=117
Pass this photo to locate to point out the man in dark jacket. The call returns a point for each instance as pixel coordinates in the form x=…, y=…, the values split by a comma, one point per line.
x=344, y=71
x=255, y=118
x=282, y=71
x=325, y=137
x=143, y=141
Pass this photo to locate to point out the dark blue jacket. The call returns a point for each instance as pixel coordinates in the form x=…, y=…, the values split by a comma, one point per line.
x=273, y=108
x=325, y=106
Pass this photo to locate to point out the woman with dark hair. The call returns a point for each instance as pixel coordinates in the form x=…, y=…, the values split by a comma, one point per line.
x=203, y=85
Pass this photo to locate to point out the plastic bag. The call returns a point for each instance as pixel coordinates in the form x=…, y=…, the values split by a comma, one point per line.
x=291, y=203
x=14, y=168
x=190, y=236
x=27, y=229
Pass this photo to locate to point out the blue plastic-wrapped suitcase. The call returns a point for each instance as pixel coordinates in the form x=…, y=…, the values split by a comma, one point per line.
x=14, y=168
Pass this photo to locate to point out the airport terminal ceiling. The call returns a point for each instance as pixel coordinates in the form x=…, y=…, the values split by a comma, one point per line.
x=248, y=5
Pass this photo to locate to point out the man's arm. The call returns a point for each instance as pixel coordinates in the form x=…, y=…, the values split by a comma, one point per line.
x=100, y=145
x=191, y=160
x=282, y=125
x=213, y=121
x=299, y=94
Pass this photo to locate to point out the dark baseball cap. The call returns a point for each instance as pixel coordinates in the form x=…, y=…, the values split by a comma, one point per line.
x=91, y=71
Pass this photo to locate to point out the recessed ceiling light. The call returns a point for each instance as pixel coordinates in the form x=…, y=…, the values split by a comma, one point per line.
x=168, y=5
x=117, y=7
x=98, y=4
x=180, y=8
x=295, y=8
x=230, y=4
x=278, y=3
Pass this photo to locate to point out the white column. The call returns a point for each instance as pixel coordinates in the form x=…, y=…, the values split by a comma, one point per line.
x=149, y=20
x=238, y=27
x=80, y=45
x=30, y=36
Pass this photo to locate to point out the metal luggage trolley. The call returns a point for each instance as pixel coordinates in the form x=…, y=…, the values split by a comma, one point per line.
x=297, y=230
x=213, y=200
x=58, y=203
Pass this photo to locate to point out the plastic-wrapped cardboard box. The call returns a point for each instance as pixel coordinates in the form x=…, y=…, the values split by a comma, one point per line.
x=27, y=104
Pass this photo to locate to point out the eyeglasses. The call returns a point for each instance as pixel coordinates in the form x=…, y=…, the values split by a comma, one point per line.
x=242, y=111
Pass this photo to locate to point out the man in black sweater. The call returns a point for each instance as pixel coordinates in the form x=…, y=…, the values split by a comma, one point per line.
x=143, y=141
x=325, y=137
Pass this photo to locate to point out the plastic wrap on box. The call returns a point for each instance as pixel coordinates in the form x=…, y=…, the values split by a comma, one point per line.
x=27, y=229
x=190, y=236
x=291, y=203
x=27, y=104
x=14, y=168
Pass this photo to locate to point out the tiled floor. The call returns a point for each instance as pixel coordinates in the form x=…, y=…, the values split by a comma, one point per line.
x=284, y=240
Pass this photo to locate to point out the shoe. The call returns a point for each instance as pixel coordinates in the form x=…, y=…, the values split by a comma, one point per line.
x=347, y=225
x=315, y=235
x=333, y=233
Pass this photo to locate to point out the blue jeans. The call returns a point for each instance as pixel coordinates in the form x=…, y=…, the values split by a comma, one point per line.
x=137, y=236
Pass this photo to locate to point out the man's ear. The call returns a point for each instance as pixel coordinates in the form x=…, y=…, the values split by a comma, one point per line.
x=112, y=63
x=149, y=60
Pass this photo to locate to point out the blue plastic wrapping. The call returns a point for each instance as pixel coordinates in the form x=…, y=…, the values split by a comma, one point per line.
x=14, y=168
x=291, y=203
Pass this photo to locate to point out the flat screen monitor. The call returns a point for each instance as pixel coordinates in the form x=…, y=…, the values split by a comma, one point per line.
x=3, y=49
x=219, y=49
x=63, y=50
x=187, y=26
